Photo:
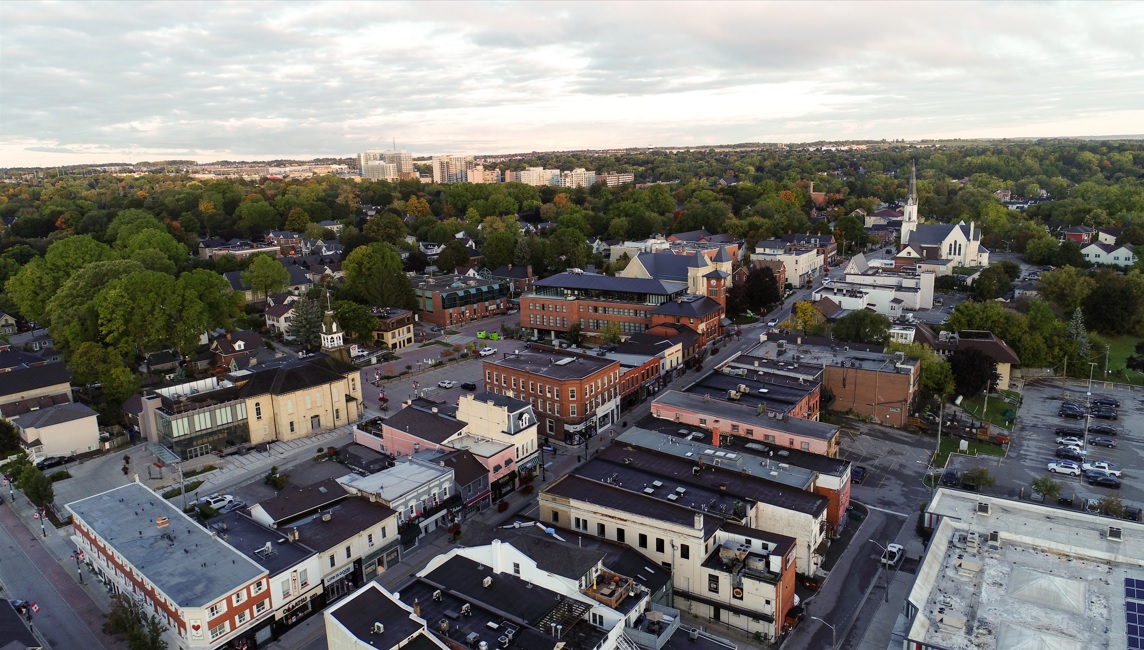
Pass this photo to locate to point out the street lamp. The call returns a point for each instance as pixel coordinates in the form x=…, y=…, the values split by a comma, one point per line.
x=1088, y=406
x=885, y=573
x=833, y=638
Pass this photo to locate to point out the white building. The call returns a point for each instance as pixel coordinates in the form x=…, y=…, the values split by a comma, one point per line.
x=378, y=170
x=577, y=178
x=801, y=266
x=958, y=243
x=60, y=430
x=479, y=174
x=538, y=176
x=1111, y=254
x=451, y=169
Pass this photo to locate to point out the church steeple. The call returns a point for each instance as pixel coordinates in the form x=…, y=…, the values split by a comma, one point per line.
x=913, y=197
x=910, y=213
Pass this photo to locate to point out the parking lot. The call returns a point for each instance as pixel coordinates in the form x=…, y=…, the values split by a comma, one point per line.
x=1034, y=444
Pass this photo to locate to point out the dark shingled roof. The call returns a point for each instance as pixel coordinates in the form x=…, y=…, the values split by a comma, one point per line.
x=609, y=283
x=434, y=427
x=561, y=558
x=370, y=605
x=466, y=468
x=692, y=235
x=665, y=265
x=695, y=307
x=348, y=517
x=28, y=379
x=295, y=375
x=294, y=501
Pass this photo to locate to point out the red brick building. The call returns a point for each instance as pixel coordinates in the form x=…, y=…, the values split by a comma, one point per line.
x=573, y=394
x=447, y=300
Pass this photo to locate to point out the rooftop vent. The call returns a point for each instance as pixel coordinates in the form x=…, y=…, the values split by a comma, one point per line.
x=378, y=628
x=487, y=582
x=1115, y=534
x=982, y=508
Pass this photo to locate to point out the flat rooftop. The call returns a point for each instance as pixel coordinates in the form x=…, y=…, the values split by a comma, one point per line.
x=371, y=604
x=482, y=447
x=734, y=412
x=392, y=483
x=552, y=364
x=189, y=564
x=838, y=354
x=266, y=547
x=690, y=448
x=780, y=394
x=1009, y=574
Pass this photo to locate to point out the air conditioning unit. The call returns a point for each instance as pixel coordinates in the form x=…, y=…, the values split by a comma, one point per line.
x=437, y=595
x=994, y=536
x=982, y=508
x=378, y=628
x=487, y=582
x=1115, y=534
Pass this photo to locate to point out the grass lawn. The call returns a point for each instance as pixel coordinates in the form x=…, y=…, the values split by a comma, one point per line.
x=1119, y=349
x=435, y=342
x=744, y=319
x=951, y=445
x=997, y=408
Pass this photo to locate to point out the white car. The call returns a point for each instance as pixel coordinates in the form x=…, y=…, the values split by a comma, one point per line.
x=893, y=555
x=217, y=501
x=1069, y=440
x=1104, y=466
x=1064, y=467
x=446, y=383
x=487, y=352
x=1073, y=448
x=772, y=323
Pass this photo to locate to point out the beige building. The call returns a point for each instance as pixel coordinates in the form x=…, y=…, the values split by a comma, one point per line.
x=298, y=400
x=502, y=419
x=60, y=430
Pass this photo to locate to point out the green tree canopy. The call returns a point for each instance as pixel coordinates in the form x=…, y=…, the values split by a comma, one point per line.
x=973, y=371
x=305, y=326
x=862, y=326
x=266, y=275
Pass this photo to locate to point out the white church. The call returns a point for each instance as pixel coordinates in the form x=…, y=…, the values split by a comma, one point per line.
x=959, y=244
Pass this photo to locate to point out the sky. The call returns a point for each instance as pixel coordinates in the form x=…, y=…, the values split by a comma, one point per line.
x=91, y=82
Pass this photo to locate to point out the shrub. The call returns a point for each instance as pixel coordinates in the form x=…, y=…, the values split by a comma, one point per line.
x=174, y=492
x=409, y=366
x=59, y=476
x=527, y=490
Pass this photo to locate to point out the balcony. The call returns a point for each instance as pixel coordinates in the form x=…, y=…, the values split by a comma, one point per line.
x=609, y=588
x=653, y=629
x=372, y=427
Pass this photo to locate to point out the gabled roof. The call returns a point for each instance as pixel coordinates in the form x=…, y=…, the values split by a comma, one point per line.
x=294, y=501
x=234, y=278
x=466, y=468
x=295, y=375
x=609, y=283
x=665, y=265
x=510, y=271
x=722, y=255
x=279, y=310
x=228, y=344
x=27, y=379
x=692, y=235
x=693, y=308
x=433, y=427
x=53, y=415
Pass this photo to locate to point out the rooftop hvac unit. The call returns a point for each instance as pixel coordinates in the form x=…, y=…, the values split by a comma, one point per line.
x=982, y=508
x=1115, y=533
x=744, y=389
x=733, y=395
x=487, y=582
x=437, y=595
x=378, y=628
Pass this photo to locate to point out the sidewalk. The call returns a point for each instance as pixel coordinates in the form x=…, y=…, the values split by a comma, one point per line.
x=885, y=621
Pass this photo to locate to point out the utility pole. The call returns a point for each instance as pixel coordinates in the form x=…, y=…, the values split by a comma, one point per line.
x=1064, y=377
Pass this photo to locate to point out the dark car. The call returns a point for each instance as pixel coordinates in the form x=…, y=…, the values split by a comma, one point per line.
x=858, y=474
x=1069, y=431
x=1070, y=413
x=1069, y=404
x=1102, y=442
x=468, y=385
x=1103, y=430
x=1106, y=401
x=951, y=478
x=1132, y=513
x=53, y=461
x=1105, y=413
x=1105, y=481
x=1069, y=454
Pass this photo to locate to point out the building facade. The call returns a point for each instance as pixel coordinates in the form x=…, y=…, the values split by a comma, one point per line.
x=455, y=299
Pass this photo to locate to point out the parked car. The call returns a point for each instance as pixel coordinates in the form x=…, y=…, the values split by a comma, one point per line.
x=1069, y=440
x=1072, y=414
x=446, y=383
x=858, y=474
x=216, y=501
x=772, y=323
x=1106, y=401
x=1065, y=467
x=1105, y=482
x=1103, y=430
x=1067, y=453
x=1072, y=405
x=49, y=462
x=951, y=478
x=1105, y=413
x=892, y=556
x=1102, y=442
x=1070, y=431
x=1103, y=465
x=233, y=505
x=1076, y=449
x=487, y=352
x=468, y=385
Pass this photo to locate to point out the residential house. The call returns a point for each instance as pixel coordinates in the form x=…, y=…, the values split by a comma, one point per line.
x=31, y=382
x=278, y=316
x=394, y=327
x=7, y=323
x=233, y=349
x=58, y=430
x=1109, y=235
x=1121, y=255
x=519, y=279
x=946, y=343
x=1079, y=234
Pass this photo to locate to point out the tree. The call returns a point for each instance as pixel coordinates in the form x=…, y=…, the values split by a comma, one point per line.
x=386, y=227
x=1049, y=487
x=154, y=240
x=1069, y=255
x=979, y=477
x=417, y=207
x=1042, y=250
x=499, y=249
x=266, y=275
x=804, y=317
x=355, y=318
x=611, y=332
x=37, y=487
x=862, y=326
x=1066, y=287
x=454, y=255
x=935, y=378
x=9, y=439
x=992, y=283
x=374, y=275
x=128, y=620
x=297, y=220
x=305, y=326
x=574, y=335
x=1113, y=307
x=1079, y=335
x=973, y=371
x=223, y=304
x=761, y=288
x=1112, y=505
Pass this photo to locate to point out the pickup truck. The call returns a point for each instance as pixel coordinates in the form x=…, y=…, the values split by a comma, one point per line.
x=893, y=555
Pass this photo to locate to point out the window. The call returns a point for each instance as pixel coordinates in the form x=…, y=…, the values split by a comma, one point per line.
x=304, y=577
x=259, y=607
x=239, y=597
x=215, y=610
x=702, y=422
x=555, y=517
x=216, y=632
x=579, y=523
x=658, y=545
x=516, y=568
x=571, y=393
x=551, y=427
x=369, y=540
x=337, y=414
x=684, y=552
x=643, y=540
x=557, y=392
x=806, y=446
x=713, y=583
x=620, y=535
x=353, y=384
x=601, y=530
x=333, y=561
x=258, y=587
x=241, y=617
x=572, y=410
x=291, y=426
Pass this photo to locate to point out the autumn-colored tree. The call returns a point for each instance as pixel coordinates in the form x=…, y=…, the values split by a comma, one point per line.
x=417, y=207
x=805, y=317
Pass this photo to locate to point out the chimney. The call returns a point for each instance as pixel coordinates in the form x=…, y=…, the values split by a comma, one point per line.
x=416, y=607
x=714, y=436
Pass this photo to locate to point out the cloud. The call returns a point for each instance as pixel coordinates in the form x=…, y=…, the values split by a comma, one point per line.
x=250, y=80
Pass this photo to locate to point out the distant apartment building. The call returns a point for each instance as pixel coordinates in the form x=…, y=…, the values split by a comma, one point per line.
x=451, y=169
x=456, y=299
x=378, y=170
x=537, y=176
x=577, y=178
x=402, y=162
x=479, y=174
x=574, y=395
x=212, y=249
x=615, y=179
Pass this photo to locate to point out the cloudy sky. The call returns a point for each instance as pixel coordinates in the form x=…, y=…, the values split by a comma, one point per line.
x=98, y=82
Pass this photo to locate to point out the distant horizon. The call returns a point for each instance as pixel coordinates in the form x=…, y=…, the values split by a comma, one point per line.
x=93, y=83
x=309, y=158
